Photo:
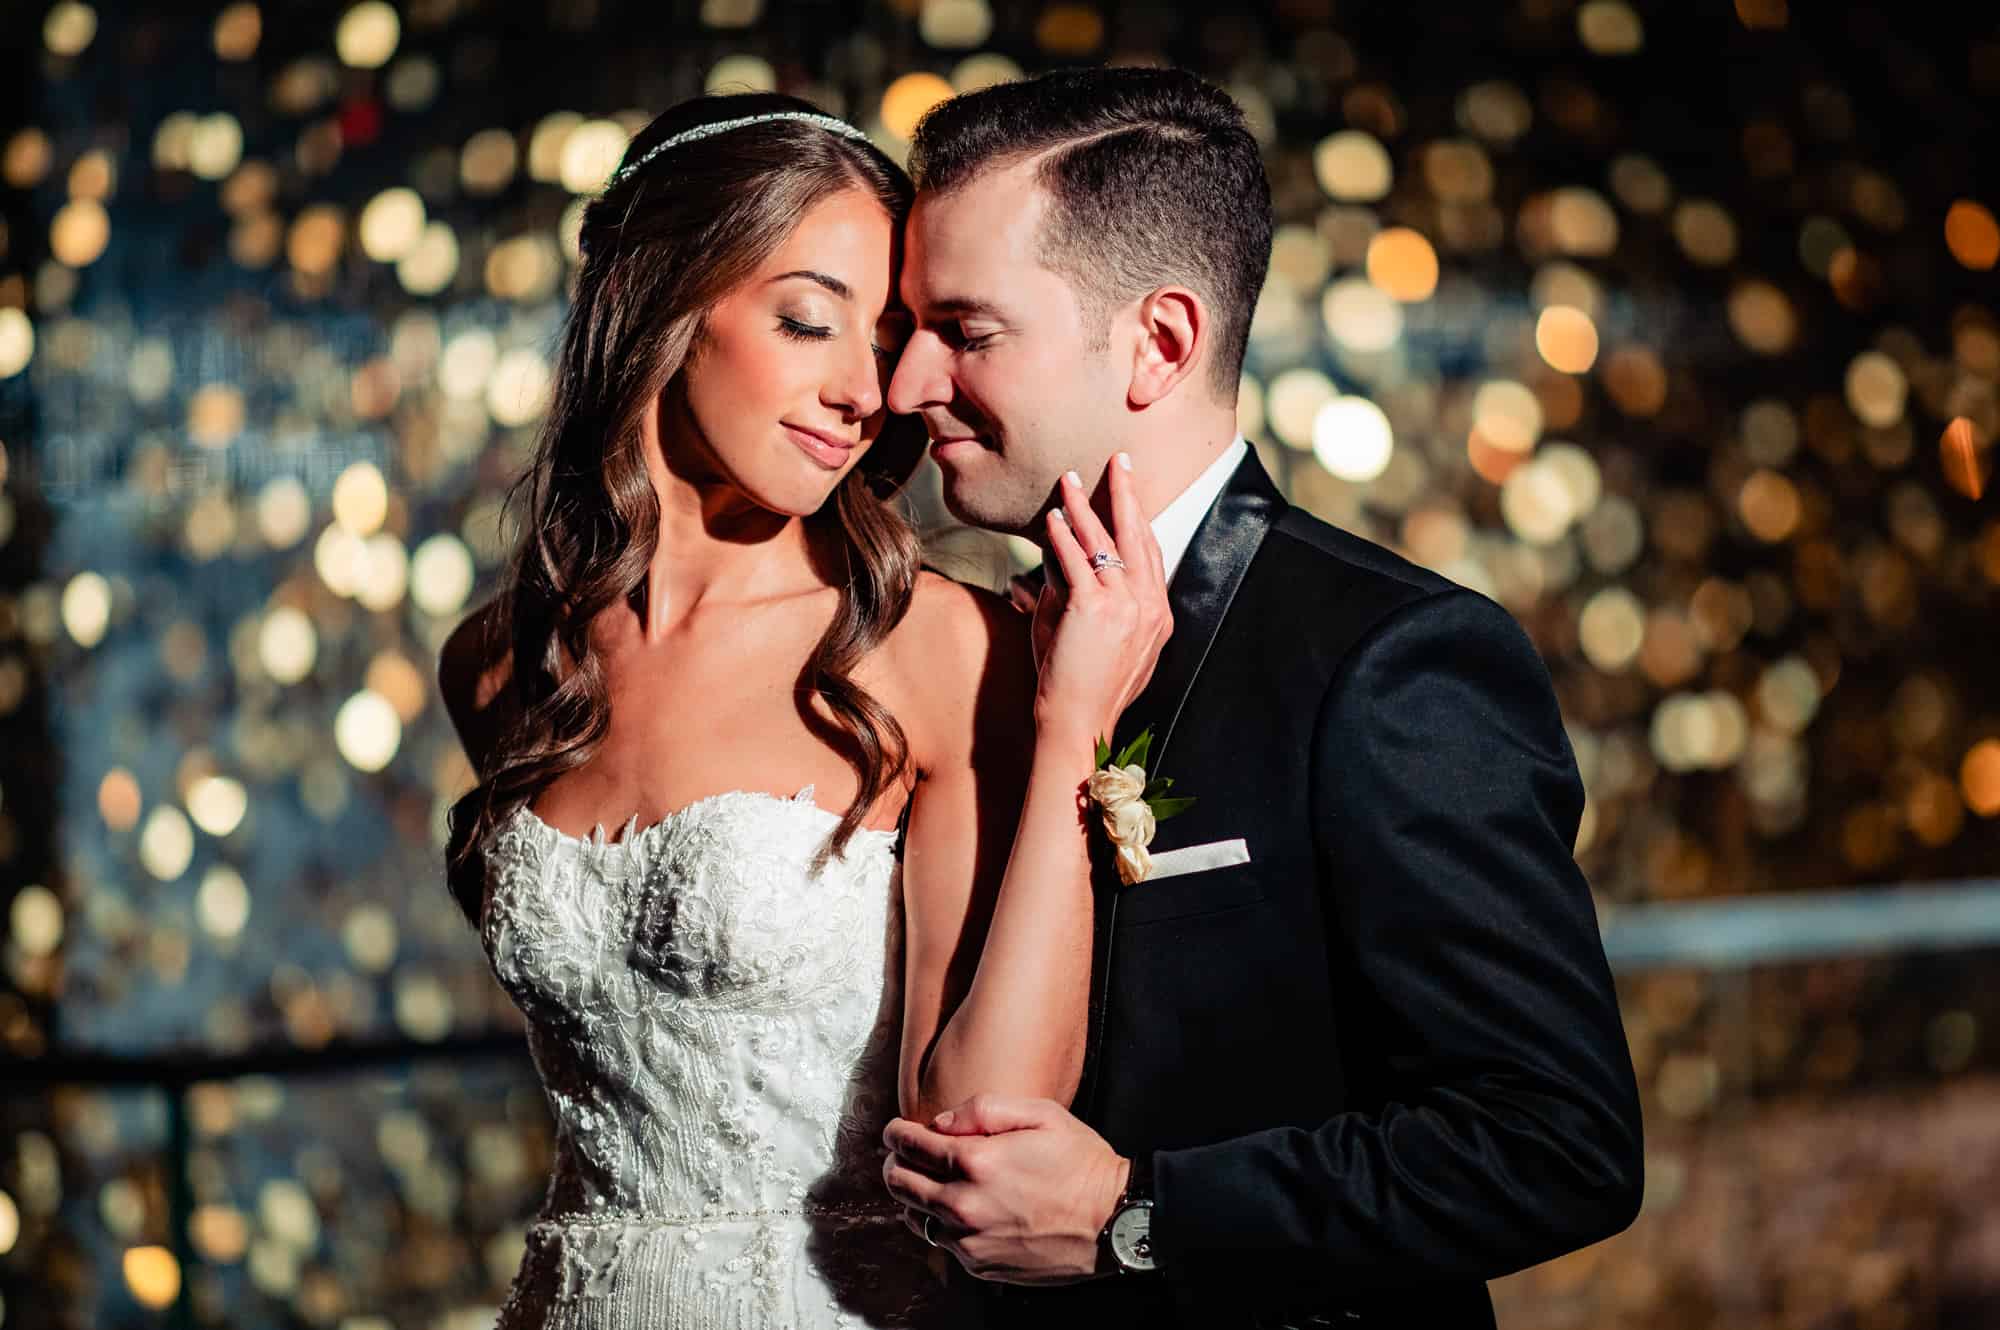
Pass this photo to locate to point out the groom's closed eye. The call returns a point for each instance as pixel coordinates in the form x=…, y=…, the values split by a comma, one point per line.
x=964, y=323
x=966, y=339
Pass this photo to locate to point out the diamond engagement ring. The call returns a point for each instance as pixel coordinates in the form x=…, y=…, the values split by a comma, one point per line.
x=1105, y=559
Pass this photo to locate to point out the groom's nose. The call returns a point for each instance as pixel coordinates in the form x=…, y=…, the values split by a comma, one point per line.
x=920, y=379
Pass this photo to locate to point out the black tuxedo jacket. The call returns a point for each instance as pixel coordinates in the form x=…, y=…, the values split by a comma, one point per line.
x=1380, y=1063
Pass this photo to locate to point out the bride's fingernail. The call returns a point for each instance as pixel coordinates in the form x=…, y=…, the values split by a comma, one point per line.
x=1125, y=461
x=943, y=1120
x=1076, y=480
x=1059, y=515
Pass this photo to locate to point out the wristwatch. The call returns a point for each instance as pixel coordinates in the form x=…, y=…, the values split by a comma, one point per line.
x=1126, y=1244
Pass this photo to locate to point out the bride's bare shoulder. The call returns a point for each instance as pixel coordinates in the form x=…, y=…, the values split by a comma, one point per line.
x=959, y=652
x=956, y=623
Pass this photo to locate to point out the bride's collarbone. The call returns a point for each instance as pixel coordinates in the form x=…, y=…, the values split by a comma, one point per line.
x=743, y=699
x=790, y=622
x=713, y=718
x=665, y=759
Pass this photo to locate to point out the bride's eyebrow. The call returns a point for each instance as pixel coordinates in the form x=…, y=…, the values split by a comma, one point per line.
x=833, y=284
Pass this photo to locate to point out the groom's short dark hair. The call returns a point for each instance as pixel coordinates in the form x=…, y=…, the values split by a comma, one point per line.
x=1153, y=178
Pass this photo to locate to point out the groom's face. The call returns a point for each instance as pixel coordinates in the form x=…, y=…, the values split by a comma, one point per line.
x=1013, y=383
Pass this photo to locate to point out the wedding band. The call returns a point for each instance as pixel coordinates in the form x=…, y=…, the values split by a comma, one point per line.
x=1105, y=559
x=927, y=1231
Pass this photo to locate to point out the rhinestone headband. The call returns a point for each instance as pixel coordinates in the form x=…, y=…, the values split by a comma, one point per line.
x=827, y=122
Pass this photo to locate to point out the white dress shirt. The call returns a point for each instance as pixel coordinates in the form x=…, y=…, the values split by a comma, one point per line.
x=1174, y=528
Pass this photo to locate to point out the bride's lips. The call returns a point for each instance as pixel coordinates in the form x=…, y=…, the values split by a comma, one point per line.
x=828, y=450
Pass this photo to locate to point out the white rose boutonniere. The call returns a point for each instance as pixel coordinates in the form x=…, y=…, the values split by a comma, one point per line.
x=1130, y=805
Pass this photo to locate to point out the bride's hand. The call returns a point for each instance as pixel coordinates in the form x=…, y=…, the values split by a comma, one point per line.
x=1098, y=632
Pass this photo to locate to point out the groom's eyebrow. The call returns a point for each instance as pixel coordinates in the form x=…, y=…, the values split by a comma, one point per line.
x=958, y=307
x=833, y=284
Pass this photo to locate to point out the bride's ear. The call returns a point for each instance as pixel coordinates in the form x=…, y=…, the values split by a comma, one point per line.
x=1173, y=332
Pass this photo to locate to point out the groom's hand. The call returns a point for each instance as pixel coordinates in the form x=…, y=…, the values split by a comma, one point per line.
x=1017, y=1189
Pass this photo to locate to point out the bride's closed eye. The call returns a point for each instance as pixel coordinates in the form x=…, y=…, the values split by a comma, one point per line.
x=800, y=331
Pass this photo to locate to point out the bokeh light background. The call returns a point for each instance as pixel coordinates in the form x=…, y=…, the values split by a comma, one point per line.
x=1671, y=327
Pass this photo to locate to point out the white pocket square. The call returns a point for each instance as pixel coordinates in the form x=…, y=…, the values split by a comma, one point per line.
x=1199, y=858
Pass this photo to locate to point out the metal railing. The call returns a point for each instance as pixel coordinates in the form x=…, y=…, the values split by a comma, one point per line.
x=1820, y=925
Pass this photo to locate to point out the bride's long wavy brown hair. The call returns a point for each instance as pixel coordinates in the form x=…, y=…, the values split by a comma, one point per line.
x=660, y=248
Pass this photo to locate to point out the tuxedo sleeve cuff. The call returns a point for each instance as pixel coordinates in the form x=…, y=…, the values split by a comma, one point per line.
x=1168, y=1257
x=1188, y=1212
x=1205, y=1235
x=1215, y=1212
x=1172, y=1225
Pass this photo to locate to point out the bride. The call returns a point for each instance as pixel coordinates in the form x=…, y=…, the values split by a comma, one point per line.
x=850, y=875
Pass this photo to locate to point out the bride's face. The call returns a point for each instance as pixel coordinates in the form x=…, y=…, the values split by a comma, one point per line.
x=783, y=395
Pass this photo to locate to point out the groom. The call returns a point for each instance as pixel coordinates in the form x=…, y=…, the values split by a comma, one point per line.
x=1371, y=1058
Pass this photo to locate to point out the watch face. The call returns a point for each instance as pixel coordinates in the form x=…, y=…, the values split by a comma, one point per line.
x=1132, y=1236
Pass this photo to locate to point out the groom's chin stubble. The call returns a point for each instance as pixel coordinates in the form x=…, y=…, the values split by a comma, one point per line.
x=984, y=507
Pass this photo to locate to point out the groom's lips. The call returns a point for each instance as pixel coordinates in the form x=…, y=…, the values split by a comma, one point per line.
x=939, y=447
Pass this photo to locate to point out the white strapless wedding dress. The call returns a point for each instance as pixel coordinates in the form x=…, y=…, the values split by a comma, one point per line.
x=716, y=1027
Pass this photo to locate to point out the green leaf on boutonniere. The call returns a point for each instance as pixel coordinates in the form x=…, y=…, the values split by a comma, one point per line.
x=1154, y=793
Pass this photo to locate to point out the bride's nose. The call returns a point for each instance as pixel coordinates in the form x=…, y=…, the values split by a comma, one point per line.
x=854, y=384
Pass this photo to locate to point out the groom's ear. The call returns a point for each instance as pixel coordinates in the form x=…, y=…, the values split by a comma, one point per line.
x=1173, y=328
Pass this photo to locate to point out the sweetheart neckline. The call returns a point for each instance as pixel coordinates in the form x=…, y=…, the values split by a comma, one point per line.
x=631, y=832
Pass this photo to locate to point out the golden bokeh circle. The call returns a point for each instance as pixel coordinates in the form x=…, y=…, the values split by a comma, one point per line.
x=1402, y=262
x=1972, y=235
x=1979, y=778
x=905, y=101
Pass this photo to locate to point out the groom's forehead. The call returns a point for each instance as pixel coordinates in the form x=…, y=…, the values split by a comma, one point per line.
x=984, y=226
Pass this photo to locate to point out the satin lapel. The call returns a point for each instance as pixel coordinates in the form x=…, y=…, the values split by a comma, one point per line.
x=1203, y=588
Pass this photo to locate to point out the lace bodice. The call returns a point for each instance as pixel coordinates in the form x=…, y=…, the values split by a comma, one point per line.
x=716, y=1026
